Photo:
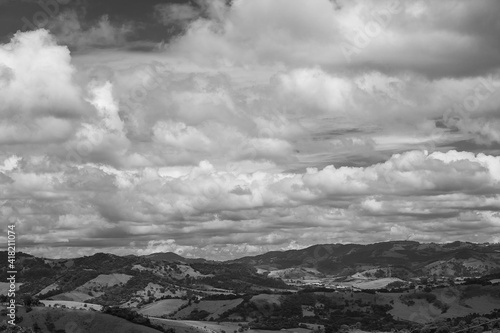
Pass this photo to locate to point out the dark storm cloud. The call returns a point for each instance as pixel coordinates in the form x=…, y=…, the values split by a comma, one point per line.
x=142, y=17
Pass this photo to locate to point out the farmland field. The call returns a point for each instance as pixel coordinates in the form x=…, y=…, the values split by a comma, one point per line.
x=163, y=307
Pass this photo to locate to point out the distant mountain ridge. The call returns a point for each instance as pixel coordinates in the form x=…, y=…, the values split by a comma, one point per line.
x=401, y=259
x=406, y=257
x=172, y=257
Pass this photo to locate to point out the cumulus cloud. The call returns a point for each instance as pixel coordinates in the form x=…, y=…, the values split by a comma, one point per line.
x=39, y=97
x=411, y=35
x=202, y=201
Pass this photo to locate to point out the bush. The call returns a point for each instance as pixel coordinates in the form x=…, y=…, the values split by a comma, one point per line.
x=198, y=314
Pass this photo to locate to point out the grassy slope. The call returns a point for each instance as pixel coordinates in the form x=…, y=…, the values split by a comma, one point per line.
x=81, y=293
x=215, y=308
x=375, y=284
x=81, y=320
x=4, y=287
x=192, y=326
x=159, y=308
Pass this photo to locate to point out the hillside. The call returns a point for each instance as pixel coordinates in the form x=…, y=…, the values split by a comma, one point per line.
x=406, y=258
x=133, y=281
x=173, y=257
x=64, y=320
x=376, y=286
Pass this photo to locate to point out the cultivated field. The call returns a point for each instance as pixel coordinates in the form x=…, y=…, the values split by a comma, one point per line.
x=215, y=308
x=192, y=326
x=4, y=287
x=376, y=284
x=78, y=321
x=163, y=307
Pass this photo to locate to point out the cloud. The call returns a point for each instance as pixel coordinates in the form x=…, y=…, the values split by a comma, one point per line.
x=102, y=138
x=34, y=66
x=39, y=98
x=408, y=173
x=438, y=189
x=352, y=35
x=181, y=136
x=10, y=163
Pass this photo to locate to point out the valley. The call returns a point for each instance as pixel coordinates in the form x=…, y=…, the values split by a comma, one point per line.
x=321, y=289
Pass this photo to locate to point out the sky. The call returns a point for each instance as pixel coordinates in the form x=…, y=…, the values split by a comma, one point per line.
x=221, y=129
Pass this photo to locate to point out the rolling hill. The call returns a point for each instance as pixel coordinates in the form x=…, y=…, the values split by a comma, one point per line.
x=406, y=258
x=379, y=285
